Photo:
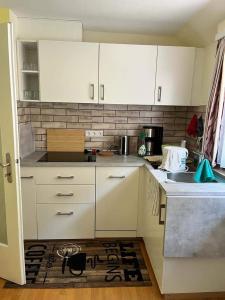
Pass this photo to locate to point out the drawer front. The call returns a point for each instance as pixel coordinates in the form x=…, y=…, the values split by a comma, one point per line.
x=65, y=194
x=65, y=175
x=65, y=221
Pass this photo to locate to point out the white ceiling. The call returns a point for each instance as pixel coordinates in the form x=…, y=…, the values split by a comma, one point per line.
x=137, y=16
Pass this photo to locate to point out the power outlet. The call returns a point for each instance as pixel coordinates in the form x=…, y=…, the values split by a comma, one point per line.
x=93, y=133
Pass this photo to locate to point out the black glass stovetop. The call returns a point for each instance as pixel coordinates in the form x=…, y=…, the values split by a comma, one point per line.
x=67, y=157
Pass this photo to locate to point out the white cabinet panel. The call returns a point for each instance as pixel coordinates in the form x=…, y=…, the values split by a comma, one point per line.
x=153, y=231
x=127, y=74
x=65, y=194
x=29, y=203
x=65, y=175
x=116, y=198
x=175, y=68
x=68, y=71
x=65, y=221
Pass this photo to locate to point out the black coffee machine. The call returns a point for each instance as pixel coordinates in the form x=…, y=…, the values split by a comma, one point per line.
x=153, y=139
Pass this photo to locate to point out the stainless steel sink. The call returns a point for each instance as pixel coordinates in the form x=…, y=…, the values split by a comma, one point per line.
x=188, y=177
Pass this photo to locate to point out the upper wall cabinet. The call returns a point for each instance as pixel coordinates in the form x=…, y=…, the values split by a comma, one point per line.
x=127, y=74
x=28, y=71
x=175, y=68
x=68, y=71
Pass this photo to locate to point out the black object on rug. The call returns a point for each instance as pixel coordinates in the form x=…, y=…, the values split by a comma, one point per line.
x=84, y=263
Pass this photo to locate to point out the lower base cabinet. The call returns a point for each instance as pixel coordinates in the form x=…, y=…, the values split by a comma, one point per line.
x=65, y=221
x=116, y=200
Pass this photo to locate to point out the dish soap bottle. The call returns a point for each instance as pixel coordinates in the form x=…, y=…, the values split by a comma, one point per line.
x=142, y=148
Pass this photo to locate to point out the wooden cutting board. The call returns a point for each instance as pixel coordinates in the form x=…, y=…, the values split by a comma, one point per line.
x=65, y=140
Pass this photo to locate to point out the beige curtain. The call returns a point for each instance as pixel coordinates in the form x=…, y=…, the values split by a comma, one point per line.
x=215, y=106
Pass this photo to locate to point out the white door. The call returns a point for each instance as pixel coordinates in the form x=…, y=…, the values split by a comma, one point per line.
x=116, y=198
x=68, y=71
x=11, y=237
x=127, y=74
x=175, y=68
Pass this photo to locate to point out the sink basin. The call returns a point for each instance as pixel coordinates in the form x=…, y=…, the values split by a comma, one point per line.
x=188, y=177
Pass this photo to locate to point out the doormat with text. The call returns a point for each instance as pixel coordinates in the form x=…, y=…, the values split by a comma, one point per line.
x=84, y=263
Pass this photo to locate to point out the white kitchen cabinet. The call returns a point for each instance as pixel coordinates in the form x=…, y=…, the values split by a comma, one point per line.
x=58, y=202
x=68, y=71
x=174, y=76
x=65, y=221
x=127, y=74
x=116, y=198
x=29, y=203
x=152, y=230
x=28, y=70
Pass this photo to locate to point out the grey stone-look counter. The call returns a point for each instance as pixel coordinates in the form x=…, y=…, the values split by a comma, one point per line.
x=171, y=189
x=101, y=161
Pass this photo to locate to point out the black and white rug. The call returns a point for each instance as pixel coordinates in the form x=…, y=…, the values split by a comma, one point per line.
x=84, y=263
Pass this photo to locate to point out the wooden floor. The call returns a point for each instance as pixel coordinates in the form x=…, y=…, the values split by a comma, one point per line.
x=122, y=293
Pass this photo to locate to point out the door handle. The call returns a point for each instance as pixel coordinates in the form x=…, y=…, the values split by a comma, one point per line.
x=27, y=177
x=4, y=165
x=161, y=222
x=64, y=195
x=159, y=93
x=102, y=87
x=92, y=91
x=8, y=167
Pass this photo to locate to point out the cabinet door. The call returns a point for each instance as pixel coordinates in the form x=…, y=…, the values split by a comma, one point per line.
x=127, y=74
x=116, y=198
x=68, y=71
x=175, y=68
x=29, y=203
x=153, y=231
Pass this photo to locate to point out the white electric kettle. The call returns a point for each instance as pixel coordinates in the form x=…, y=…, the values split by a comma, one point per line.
x=174, y=159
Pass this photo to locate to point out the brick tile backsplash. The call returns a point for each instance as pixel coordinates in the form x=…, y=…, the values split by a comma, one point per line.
x=113, y=119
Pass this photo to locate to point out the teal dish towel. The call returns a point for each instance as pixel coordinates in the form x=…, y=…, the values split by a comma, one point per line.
x=204, y=172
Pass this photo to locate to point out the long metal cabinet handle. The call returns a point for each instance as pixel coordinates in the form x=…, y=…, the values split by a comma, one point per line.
x=161, y=222
x=92, y=91
x=120, y=177
x=102, y=91
x=27, y=177
x=159, y=93
x=64, y=195
x=65, y=177
x=59, y=213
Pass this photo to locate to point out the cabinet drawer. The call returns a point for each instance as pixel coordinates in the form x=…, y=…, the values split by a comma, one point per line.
x=65, y=175
x=65, y=194
x=65, y=221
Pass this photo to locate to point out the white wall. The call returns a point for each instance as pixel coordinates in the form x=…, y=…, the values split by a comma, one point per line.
x=128, y=38
x=51, y=29
x=201, y=29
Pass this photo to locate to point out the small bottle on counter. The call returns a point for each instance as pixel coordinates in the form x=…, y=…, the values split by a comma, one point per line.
x=183, y=143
